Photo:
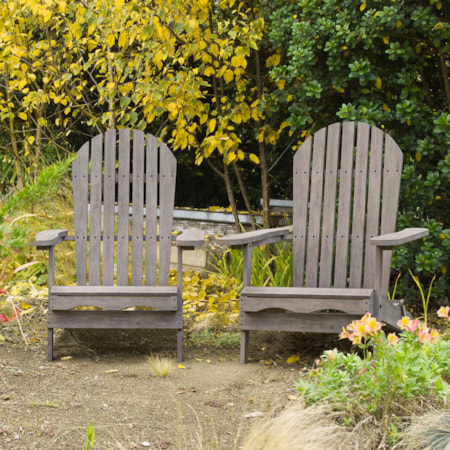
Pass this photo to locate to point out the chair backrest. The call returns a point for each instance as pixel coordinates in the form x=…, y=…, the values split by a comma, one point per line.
x=120, y=179
x=346, y=189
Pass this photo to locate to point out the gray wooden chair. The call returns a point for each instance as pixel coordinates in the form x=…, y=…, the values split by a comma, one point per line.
x=346, y=189
x=122, y=182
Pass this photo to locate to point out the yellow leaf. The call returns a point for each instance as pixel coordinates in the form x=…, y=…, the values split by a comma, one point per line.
x=209, y=71
x=293, y=359
x=23, y=116
x=110, y=39
x=253, y=158
x=281, y=84
x=62, y=6
x=172, y=107
x=22, y=83
x=212, y=125
x=378, y=83
x=399, y=23
x=386, y=107
x=123, y=39
x=418, y=157
x=363, y=6
x=180, y=366
x=240, y=155
x=231, y=156
x=386, y=39
x=238, y=61
x=214, y=49
x=228, y=76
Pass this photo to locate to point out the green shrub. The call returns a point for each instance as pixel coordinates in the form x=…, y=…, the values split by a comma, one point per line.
x=393, y=376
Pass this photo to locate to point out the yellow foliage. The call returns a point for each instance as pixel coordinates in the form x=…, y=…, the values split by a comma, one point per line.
x=209, y=301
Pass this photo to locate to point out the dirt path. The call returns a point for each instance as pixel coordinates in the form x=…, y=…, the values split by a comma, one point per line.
x=104, y=378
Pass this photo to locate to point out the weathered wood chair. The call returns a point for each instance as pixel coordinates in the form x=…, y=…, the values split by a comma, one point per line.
x=120, y=182
x=346, y=190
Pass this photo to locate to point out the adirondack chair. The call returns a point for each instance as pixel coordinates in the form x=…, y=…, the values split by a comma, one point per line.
x=346, y=190
x=120, y=182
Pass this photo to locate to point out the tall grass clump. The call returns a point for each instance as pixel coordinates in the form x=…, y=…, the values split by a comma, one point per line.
x=161, y=366
x=430, y=431
x=271, y=266
x=298, y=428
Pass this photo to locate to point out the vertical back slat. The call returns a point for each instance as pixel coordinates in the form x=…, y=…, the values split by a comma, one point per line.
x=359, y=205
x=329, y=205
x=95, y=213
x=80, y=168
x=137, y=221
x=302, y=161
x=123, y=207
x=344, y=205
x=373, y=202
x=392, y=174
x=109, y=200
x=167, y=174
x=151, y=223
x=315, y=208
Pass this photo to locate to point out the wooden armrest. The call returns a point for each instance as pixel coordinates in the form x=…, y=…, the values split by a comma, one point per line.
x=48, y=238
x=254, y=236
x=190, y=237
x=399, y=237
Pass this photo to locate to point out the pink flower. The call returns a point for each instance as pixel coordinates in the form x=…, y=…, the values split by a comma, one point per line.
x=444, y=312
x=392, y=339
x=405, y=323
x=372, y=326
x=345, y=334
x=424, y=334
x=434, y=335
